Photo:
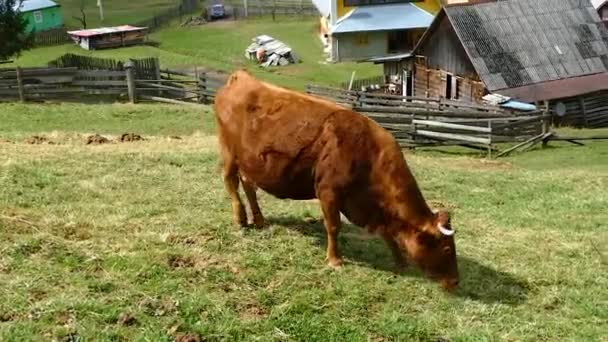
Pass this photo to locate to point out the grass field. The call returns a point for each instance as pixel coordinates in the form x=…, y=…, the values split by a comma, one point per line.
x=116, y=12
x=134, y=241
x=222, y=46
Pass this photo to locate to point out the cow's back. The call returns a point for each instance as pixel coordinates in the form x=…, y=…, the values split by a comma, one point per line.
x=271, y=132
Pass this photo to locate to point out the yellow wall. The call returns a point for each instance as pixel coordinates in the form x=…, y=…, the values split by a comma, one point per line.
x=343, y=10
x=431, y=6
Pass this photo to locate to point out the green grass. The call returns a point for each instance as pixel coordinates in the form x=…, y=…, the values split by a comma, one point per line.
x=116, y=12
x=90, y=233
x=222, y=46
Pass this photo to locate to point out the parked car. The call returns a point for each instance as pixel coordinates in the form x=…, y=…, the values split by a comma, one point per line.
x=216, y=11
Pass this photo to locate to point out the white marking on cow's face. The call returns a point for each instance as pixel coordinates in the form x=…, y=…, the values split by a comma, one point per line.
x=445, y=231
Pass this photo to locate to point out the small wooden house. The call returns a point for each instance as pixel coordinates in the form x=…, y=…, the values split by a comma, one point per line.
x=41, y=15
x=530, y=51
x=109, y=37
x=363, y=30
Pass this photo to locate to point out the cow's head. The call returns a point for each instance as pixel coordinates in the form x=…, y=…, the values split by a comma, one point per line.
x=432, y=248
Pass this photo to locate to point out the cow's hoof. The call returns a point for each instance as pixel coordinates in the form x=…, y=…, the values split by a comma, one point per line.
x=335, y=263
x=241, y=221
x=259, y=221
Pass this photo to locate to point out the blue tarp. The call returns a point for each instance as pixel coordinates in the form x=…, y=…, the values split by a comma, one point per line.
x=382, y=18
x=518, y=105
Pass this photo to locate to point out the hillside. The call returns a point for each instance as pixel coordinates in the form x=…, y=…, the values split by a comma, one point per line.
x=221, y=46
x=116, y=12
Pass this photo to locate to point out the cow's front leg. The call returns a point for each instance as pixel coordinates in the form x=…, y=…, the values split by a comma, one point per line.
x=231, y=183
x=331, y=221
x=397, y=254
x=250, y=189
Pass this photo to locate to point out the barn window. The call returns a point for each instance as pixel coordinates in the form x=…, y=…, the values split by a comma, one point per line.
x=38, y=17
x=361, y=39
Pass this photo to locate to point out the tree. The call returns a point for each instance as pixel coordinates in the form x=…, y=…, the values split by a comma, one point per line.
x=13, y=30
x=83, y=17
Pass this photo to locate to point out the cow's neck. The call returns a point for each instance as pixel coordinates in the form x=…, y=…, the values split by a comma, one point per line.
x=404, y=198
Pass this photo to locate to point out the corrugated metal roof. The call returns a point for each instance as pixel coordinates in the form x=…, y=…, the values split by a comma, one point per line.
x=33, y=5
x=520, y=42
x=105, y=30
x=383, y=17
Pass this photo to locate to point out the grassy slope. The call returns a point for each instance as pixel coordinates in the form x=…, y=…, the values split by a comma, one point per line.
x=116, y=12
x=221, y=46
x=88, y=233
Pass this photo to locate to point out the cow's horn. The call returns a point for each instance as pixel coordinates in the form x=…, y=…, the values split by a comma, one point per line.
x=445, y=231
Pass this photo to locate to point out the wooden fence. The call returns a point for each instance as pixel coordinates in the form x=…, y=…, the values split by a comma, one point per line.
x=419, y=122
x=52, y=37
x=86, y=62
x=256, y=8
x=360, y=83
x=165, y=17
x=137, y=80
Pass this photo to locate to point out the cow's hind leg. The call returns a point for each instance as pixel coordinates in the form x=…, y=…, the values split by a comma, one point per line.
x=231, y=183
x=250, y=192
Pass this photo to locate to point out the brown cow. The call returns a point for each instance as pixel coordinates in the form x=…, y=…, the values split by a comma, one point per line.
x=301, y=147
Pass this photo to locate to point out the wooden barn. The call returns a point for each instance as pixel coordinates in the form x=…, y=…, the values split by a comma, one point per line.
x=531, y=51
x=109, y=37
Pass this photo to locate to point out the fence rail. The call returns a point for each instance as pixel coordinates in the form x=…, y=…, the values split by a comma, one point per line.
x=418, y=122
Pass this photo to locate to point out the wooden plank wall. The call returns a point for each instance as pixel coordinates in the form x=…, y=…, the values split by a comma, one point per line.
x=585, y=111
x=432, y=83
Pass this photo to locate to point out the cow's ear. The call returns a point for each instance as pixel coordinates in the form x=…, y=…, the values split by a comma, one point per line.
x=443, y=218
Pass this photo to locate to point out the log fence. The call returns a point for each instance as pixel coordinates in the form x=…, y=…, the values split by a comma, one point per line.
x=414, y=121
x=424, y=122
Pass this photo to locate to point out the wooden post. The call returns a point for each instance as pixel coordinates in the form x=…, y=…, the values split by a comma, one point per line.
x=20, y=85
x=490, y=138
x=157, y=74
x=130, y=71
x=198, y=85
x=546, y=122
x=581, y=101
x=202, y=82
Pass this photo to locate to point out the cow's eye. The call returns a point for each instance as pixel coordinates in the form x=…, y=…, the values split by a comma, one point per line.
x=447, y=250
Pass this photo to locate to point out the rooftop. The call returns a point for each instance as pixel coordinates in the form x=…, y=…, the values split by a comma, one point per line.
x=383, y=17
x=105, y=30
x=33, y=5
x=522, y=48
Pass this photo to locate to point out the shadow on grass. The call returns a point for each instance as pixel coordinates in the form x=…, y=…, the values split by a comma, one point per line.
x=477, y=282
